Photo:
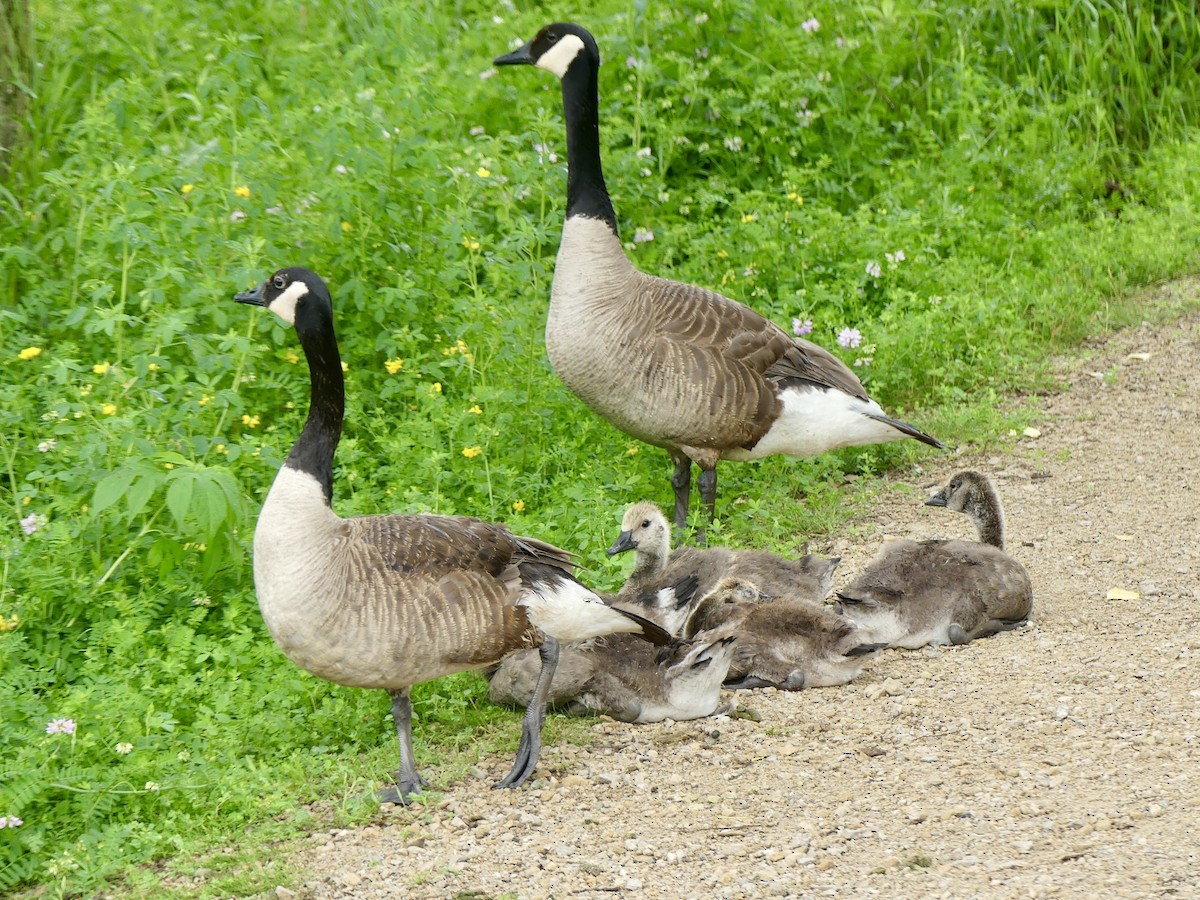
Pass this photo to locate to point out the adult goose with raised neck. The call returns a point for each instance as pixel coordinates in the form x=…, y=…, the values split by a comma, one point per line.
x=389, y=601
x=673, y=364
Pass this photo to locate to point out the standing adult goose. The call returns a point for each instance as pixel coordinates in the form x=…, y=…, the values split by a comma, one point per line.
x=944, y=591
x=672, y=364
x=390, y=601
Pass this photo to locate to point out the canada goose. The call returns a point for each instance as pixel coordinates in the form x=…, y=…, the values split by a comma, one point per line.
x=626, y=678
x=788, y=644
x=944, y=591
x=761, y=575
x=389, y=601
x=672, y=364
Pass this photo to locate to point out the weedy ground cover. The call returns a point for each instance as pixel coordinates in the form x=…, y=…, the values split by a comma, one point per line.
x=944, y=195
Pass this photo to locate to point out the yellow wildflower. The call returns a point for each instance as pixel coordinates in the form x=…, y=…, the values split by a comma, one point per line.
x=187, y=189
x=101, y=368
x=792, y=195
x=220, y=448
x=483, y=172
x=748, y=217
x=470, y=244
x=475, y=410
x=25, y=501
x=345, y=368
x=472, y=452
x=30, y=352
x=721, y=254
x=250, y=421
x=85, y=391
x=292, y=357
x=347, y=227
x=205, y=400
x=243, y=191
x=393, y=365
x=632, y=449
x=437, y=387
x=108, y=408
x=153, y=367
x=519, y=506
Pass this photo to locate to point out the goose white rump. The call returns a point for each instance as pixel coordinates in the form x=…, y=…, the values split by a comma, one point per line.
x=815, y=420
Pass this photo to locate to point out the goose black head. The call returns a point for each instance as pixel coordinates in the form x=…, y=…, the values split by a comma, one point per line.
x=295, y=294
x=555, y=49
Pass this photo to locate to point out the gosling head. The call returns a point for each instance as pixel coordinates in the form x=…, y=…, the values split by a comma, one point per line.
x=973, y=494
x=644, y=528
x=556, y=48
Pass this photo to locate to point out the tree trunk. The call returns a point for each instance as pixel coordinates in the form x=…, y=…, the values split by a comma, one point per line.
x=16, y=73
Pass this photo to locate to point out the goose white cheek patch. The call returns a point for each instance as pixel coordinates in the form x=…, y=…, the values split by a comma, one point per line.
x=559, y=57
x=284, y=305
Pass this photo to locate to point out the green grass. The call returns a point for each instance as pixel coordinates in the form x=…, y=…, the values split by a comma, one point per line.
x=1032, y=163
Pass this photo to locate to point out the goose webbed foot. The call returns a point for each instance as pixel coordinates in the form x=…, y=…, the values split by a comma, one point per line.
x=401, y=792
x=748, y=683
x=530, y=747
x=958, y=635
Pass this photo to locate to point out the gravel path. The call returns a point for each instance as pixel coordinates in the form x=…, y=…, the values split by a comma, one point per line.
x=1061, y=759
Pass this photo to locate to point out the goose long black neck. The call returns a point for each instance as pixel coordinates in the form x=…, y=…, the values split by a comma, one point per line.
x=587, y=194
x=313, y=451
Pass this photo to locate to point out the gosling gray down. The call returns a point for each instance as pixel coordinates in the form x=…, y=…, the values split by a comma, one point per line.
x=626, y=679
x=388, y=601
x=672, y=364
x=789, y=645
x=944, y=591
x=763, y=575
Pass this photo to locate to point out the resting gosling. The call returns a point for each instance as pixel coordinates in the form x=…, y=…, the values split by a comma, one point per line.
x=944, y=591
x=788, y=645
x=389, y=601
x=672, y=364
x=624, y=678
x=764, y=576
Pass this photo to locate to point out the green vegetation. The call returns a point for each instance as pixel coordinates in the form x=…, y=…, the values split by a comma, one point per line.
x=970, y=188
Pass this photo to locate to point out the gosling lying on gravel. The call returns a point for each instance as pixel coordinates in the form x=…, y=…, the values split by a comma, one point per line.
x=615, y=677
x=645, y=531
x=788, y=644
x=944, y=591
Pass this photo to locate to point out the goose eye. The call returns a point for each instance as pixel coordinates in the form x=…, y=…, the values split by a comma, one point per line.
x=645, y=523
x=279, y=282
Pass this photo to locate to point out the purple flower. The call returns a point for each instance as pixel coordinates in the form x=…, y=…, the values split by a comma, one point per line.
x=32, y=523
x=849, y=337
x=810, y=25
x=874, y=269
x=61, y=726
x=11, y=822
x=801, y=327
x=642, y=235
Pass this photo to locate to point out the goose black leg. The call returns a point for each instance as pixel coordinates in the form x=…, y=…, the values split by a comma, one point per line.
x=535, y=715
x=707, y=483
x=408, y=780
x=681, y=481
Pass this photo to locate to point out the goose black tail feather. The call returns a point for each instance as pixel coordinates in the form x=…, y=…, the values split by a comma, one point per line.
x=904, y=428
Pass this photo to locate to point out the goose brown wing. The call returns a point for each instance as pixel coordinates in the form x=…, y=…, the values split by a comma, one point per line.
x=810, y=362
x=454, y=583
x=713, y=353
x=430, y=544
